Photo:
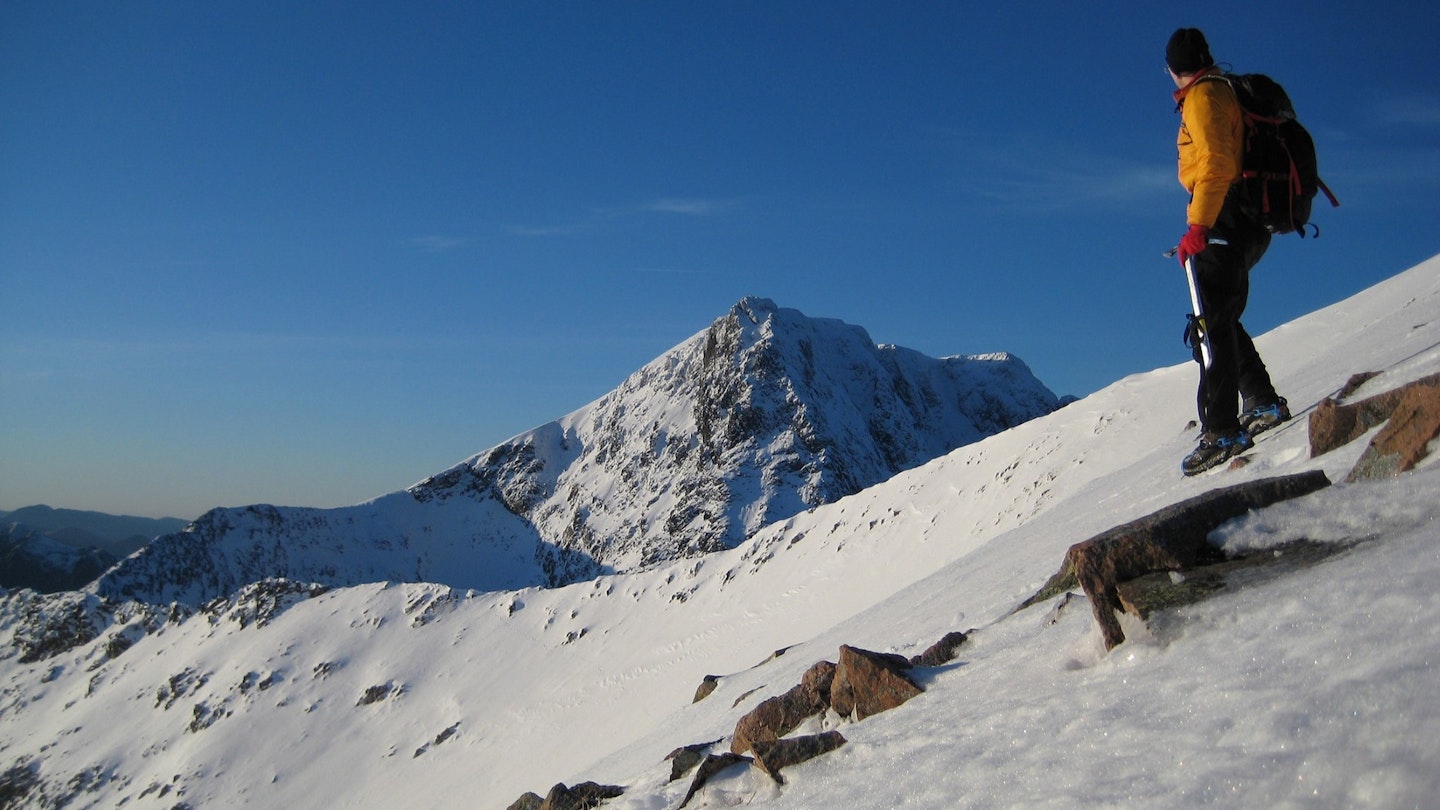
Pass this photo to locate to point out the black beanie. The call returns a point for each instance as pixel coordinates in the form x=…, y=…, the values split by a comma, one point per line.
x=1188, y=51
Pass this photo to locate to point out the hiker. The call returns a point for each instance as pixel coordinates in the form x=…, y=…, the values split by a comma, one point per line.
x=1224, y=242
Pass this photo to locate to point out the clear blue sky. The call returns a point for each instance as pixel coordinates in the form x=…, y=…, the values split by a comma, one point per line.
x=310, y=253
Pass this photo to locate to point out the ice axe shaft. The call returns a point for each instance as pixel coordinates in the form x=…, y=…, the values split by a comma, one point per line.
x=1202, y=331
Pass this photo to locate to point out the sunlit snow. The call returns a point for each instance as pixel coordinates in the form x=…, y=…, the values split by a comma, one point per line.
x=1312, y=687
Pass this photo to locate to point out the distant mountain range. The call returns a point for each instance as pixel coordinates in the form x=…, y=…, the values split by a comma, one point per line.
x=49, y=549
x=759, y=417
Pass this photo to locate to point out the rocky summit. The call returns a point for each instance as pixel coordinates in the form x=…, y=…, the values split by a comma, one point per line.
x=757, y=418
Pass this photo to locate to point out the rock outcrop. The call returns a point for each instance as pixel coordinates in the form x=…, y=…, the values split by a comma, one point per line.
x=778, y=716
x=1171, y=539
x=580, y=797
x=868, y=683
x=1411, y=414
x=776, y=755
x=1335, y=423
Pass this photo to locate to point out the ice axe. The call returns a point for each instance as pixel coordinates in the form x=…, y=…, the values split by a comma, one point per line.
x=1197, y=321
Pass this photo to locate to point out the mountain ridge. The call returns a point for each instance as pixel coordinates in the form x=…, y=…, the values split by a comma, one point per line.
x=764, y=414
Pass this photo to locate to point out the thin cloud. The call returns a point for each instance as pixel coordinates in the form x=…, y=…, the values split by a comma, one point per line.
x=689, y=206
x=1025, y=173
x=439, y=244
x=539, y=231
x=600, y=217
x=1409, y=111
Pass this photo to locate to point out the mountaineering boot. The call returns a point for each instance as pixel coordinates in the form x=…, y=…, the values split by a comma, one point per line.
x=1258, y=418
x=1215, y=450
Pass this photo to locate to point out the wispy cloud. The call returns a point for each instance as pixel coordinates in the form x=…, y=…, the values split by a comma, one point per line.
x=1048, y=175
x=1416, y=110
x=689, y=206
x=599, y=218
x=438, y=244
x=571, y=229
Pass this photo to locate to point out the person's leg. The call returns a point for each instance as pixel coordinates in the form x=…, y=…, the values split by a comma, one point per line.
x=1220, y=276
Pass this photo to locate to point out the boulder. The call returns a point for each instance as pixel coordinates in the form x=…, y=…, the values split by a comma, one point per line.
x=777, y=716
x=941, y=652
x=1333, y=424
x=707, y=685
x=580, y=797
x=773, y=756
x=1171, y=539
x=529, y=801
x=1413, y=423
x=867, y=683
x=712, y=765
x=687, y=757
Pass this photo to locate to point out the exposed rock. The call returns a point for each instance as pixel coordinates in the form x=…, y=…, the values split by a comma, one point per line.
x=1061, y=607
x=379, y=692
x=777, y=716
x=868, y=683
x=941, y=652
x=775, y=755
x=54, y=623
x=706, y=687
x=816, y=683
x=686, y=757
x=1171, y=539
x=712, y=765
x=580, y=797
x=1405, y=439
x=1152, y=593
x=529, y=801
x=1333, y=424
x=1353, y=384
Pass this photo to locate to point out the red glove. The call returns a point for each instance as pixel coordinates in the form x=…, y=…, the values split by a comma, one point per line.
x=1194, y=241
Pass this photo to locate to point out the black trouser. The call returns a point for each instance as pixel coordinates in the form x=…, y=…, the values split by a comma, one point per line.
x=1222, y=274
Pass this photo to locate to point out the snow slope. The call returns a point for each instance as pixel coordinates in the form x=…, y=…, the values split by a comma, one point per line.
x=1316, y=688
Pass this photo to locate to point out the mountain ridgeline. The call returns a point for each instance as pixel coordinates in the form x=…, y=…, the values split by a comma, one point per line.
x=761, y=416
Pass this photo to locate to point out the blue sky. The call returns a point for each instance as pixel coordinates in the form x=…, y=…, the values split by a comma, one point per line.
x=310, y=253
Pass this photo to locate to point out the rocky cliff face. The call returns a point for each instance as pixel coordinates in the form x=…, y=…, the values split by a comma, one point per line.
x=759, y=417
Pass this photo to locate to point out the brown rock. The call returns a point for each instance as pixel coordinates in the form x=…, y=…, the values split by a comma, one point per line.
x=686, y=757
x=529, y=801
x=1171, y=539
x=1333, y=424
x=778, y=716
x=816, y=684
x=581, y=797
x=775, y=755
x=941, y=652
x=868, y=683
x=1404, y=441
x=712, y=765
x=706, y=687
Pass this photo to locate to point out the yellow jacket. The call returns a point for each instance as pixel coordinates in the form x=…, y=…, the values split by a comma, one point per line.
x=1210, y=143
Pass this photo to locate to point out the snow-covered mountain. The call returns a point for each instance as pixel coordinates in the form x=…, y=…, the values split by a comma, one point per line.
x=1311, y=687
x=120, y=535
x=31, y=558
x=761, y=416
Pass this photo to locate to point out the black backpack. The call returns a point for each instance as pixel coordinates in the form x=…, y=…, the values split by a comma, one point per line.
x=1279, y=175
